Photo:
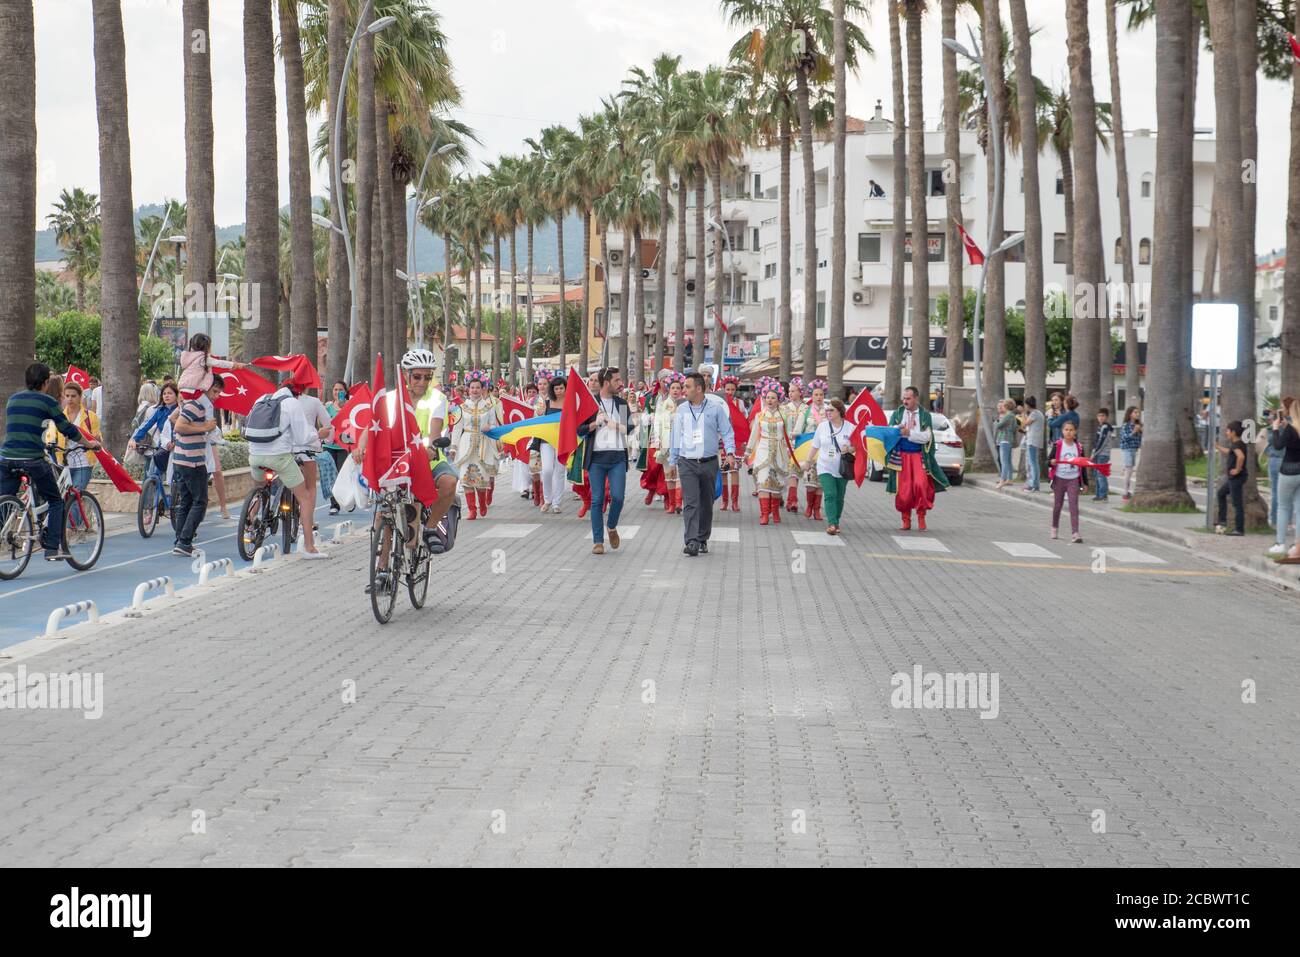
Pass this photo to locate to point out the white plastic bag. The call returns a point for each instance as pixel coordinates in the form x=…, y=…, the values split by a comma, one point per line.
x=348, y=490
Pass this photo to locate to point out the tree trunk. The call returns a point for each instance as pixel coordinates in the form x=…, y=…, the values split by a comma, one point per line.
x=18, y=191
x=785, y=314
x=992, y=371
x=700, y=282
x=514, y=303
x=200, y=225
x=718, y=337
x=1035, y=334
x=400, y=318
x=1090, y=307
x=478, y=315
x=120, y=329
x=920, y=331
x=340, y=281
x=302, y=311
x=448, y=287
x=496, y=306
x=661, y=279
x=808, y=343
x=379, y=338
x=835, y=348
x=384, y=200
x=1132, y=360
x=625, y=303
x=562, y=368
x=1161, y=479
x=1291, y=277
x=893, y=391
x=528, y=282
x=679, y=307
x=955, y=360
x=638, y=330
x=368, y=285
x=262, y=229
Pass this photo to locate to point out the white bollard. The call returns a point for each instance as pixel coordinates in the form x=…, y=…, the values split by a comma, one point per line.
x=137, y=600
x=209, y=567
x=341, y=529
x=56, y=616
x=267, y=551
x=200, y=556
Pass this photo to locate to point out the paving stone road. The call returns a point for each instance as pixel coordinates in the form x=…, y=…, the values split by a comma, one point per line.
x=643, y=708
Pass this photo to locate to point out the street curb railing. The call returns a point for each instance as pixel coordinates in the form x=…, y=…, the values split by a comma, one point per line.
x=56, y=616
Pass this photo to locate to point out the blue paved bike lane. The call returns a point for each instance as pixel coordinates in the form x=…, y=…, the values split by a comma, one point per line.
x=127, y=560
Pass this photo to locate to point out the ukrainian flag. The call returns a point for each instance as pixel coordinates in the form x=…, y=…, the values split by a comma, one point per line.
x=544, y=427
x=804, y=453
x=881, y=440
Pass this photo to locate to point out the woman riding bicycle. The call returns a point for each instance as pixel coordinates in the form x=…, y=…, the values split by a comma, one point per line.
x=156, y=433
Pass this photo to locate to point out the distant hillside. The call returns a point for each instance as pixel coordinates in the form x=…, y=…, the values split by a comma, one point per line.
x=428, y=247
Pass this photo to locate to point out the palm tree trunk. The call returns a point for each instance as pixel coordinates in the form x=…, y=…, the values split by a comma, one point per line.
x=1291, y=276
x=384, y=200
x=559, y=253
x=718, y=337
x=200, y=226
x=1188, y=398
x=120, y=329
x=447, y=288
x=920, y=379
x=897, y=276
x=1090, y=307
x=1132, y=363
x=785, y=314
x=993, y=352
x=808, y=345
x=262, y=232
x=81, y=291
x=18, y=192
x=514, y=303
x=496, y=330
x=369, y=286
x=638, y=334
x=302, y=311
x=625, y=303
x=679, y=306
x=478, y=313
x=1035, y=333
x=340, y=299
x=379, y=338
x=835, y=350
x=585, y=345
x=400, y=318
x=468, y=358
x=700, y=284
x=1161, y=479
x=528, y=282
x=661, y=279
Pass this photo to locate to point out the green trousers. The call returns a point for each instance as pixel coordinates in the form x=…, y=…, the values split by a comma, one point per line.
x=833, y=489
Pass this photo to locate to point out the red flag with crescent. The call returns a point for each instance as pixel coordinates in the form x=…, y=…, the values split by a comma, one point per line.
x=512, y=411
x=79, y=376
x=973, y=251
x=298, y=366
x=119, y=476
x=240, y=388
x=863, y=411
x=354, y=417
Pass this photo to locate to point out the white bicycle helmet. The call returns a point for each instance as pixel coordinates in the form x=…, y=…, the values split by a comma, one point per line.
x=419, y=359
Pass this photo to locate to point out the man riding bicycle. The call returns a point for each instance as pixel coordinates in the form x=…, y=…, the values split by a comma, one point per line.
x=23, y=452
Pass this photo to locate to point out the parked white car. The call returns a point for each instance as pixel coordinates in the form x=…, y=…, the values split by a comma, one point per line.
x=949, y=451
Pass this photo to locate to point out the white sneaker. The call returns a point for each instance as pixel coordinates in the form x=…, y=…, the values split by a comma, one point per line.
x=1277, y=549
x=314, y=556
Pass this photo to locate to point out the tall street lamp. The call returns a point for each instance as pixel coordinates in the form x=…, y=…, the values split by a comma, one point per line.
x=995, y=138
x=719, y=355
x=336, y=181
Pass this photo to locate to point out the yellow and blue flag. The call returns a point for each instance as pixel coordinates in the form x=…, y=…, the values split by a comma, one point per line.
x=804, y=453
x=544, y=427
x=881, y=440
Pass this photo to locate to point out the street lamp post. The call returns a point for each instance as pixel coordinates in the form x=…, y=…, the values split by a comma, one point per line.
x=731, y=312
x=336, y=181
x=995, y=139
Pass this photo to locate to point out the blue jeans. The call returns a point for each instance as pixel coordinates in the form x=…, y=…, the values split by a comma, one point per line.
x=1033, y=463
x=42, y=479
x=1288, y=506
x=1274, y=473
x=1103, y=481
x=616, y=472
x=1004, y=461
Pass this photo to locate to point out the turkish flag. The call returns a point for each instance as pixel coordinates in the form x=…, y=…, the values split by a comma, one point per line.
x=1295, y=45
x=863, y=411
x=240, y=389
x=859, y=460
x=973, y=251
x=579, y=405
x=354, y=417
x=519, y=343
x=119, y=476
x=377, y=458
x=412, y=469
x=299, y=368
x=79, y=376
x=512, y=411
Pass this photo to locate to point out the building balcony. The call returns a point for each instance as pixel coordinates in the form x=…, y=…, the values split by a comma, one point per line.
x=879, y=211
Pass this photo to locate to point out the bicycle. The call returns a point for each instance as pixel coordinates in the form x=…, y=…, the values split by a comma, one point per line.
x=82, y=535
x=154, y=499
x=268, y=508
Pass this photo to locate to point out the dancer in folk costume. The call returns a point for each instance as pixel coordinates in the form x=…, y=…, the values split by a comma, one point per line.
x=648, y=461
x=760, y=386
x=476, y=455
x=553, y=470
x=914, y=475
x=661, y=435
x=798, y=420
x=769, y=455
x=740, y=429
x=521, y=476
x=816, y=406
x=540, y=382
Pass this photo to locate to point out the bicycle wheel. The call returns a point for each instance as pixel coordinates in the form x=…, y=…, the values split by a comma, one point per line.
x=83, y=530
x=252, y=524
x=288, y=504
x=383, y=593
x=17, y=537
x=149, y=509
x=417, y=579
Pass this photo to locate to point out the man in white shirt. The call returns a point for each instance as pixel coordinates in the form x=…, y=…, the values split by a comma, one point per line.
x=296, y=434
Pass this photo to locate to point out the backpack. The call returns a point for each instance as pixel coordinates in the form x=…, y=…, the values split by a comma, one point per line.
x=262, y=426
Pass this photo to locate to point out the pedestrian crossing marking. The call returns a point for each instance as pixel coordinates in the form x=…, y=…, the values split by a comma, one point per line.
x=1062, y=566
x=817, y=538
x=728, y=534
x=1133, y=555
x=625, y=533
x=508, y=531
x=1025, y=550
x=918, y=544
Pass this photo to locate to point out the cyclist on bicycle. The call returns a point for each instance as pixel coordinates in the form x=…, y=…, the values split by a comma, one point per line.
x=293, y=437
x=23, y=452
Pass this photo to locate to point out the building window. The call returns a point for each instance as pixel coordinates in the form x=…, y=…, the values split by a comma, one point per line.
x=821, y=314
x=1058, y=248
x=1146, y=185
x=935, y=185
x=615, y=302
x=868, y=247
x=752, y=295
x=935, y=243
x=1060, y=185
x=1144, y=253
x=1119, y=251
x=769, y=270
x=758, y=184
x=599, y=317
x=753, y=235
x=1016, y=254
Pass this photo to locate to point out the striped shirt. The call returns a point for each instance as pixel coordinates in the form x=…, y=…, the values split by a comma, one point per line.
x=26, y=413
x=189, y=448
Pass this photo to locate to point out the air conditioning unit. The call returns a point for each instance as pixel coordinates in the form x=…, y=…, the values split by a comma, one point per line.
x=645, y=273
x=862, y=297
x=857, y=270
x=616, y=257
x=690, y=287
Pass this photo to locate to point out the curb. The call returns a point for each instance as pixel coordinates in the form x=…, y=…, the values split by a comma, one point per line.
x=1257, y=566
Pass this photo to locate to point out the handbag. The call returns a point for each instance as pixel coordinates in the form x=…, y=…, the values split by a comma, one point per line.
x=848, y=460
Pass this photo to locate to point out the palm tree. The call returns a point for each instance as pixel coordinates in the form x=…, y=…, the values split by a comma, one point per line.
x=955, y=360
x=1161, y=479
x=1132, y=372
x=339, y=281
x=261, y=172
x=200, y=223
x=369, y=289
x=835, y=350
x=1027, y=104
x=120, y=327
x=75, y=222
x=916, y=187
x=382, y=235
x=17, y=191
x=897, y=275
x=1291, y=278
x=557, y=145
x=302, y=308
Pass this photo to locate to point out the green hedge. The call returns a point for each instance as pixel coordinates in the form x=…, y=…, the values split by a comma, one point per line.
x=73, y=338
x=234, y=455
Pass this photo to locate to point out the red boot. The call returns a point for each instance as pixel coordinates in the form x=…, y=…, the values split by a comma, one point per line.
x=670, y=500
x=491, y=488
x=584, y=495
x=538, y=496
x=920, y=519
x=792, y=499
x=776, y=509
x=677, y=501
x=735, y=497
x=764, y=508
x=483, y=502
x=907, y=521
x=811, y=497
x=724, y=497
x=817, y=505
x=469, y=500
x=650, y=496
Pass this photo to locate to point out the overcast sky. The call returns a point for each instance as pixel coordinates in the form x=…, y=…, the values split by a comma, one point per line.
x=523, y=64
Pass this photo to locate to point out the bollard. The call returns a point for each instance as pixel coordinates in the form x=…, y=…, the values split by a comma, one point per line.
x=269, y=550
x=200, y=556
x=137, y=600
x=209, y=567
x=56, y=616
x=341, y=529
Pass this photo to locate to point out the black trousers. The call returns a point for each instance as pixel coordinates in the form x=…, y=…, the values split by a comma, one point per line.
x=1236, y=488
x=190, y=501
x=698, y=479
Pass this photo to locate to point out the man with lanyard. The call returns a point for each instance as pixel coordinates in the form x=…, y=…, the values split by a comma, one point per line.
x=431, y=416
x=699, y=425
x=605, y=457
x=917, y=476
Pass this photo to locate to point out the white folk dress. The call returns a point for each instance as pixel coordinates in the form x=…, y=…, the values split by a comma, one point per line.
x=768, y=452
x=476, y=455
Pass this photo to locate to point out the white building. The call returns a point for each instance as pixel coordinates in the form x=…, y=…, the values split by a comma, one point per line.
x=1269, y=274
